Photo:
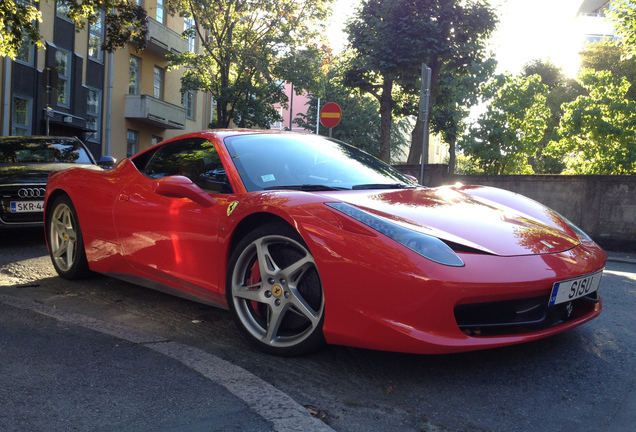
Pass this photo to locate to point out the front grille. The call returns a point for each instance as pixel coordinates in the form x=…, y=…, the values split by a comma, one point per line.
x=519, y=316
x=9, y=193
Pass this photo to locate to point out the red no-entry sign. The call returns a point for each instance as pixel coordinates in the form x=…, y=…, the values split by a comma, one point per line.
x=330, y=115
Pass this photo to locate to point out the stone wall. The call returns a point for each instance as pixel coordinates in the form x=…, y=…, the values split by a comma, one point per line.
x=604, y=206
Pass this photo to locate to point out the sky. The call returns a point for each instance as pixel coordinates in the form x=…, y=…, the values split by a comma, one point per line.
x=527, y=30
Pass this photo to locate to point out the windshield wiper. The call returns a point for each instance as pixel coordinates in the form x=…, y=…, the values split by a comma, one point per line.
x=382, y=186
x=306, y=187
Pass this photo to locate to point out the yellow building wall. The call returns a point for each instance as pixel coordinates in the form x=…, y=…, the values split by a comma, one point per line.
x=119, y=125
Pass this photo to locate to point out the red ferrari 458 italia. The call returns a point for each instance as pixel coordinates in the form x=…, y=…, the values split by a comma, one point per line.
x=307, y=241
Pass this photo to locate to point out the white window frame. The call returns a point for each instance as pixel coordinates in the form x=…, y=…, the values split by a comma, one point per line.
x=132, y=142
x=96, y=39
x=188, y=23
x=64, y=81
x=158, y=82
x=189, y=102
x=95, y=113
x=134, y=82
x=161, y=13
x=17, y=128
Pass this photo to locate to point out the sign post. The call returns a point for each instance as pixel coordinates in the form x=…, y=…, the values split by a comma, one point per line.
x=330, y=115
x=425, y=95
x=49, y=80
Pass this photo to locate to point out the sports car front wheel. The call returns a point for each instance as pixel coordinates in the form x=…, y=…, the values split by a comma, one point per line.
x=66, y=245
x=274, y=291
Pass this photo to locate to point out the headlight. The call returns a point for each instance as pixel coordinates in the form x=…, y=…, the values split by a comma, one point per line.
x=429, y=247
x=578, y=231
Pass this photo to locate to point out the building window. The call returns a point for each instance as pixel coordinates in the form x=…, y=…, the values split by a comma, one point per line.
x=134, y=79
x=63, y=66
x=160, y=12
x=62, y=10
x=158, y=83
x=132, y=137
x=190, y=28
x=96, y=38
x=26, y=52
x=94, y=114
x=188, y=102
x=155, y=140
x=21, y=116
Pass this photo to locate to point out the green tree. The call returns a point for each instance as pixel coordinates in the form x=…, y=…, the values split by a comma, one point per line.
x=360, y=124
x=560, y=89
x=125, y=22
x=623, y=16
x=252, y=47
x=455, y=97
x=504, y=136
x=597, y=134
x=611, y=56
x=392, y=39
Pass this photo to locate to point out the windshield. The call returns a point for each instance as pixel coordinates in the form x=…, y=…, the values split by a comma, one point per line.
x=37, y=150
x=308, y=162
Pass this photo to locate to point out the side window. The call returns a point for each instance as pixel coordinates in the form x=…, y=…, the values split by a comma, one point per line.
x=196, y=159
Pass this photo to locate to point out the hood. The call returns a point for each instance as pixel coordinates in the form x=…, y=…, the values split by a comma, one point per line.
x=35, y=172
x=471, y=216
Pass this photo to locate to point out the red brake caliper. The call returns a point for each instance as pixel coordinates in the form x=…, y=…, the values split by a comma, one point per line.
x=255, y=277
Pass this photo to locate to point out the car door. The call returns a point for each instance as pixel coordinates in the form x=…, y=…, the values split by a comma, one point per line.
x=174, y=240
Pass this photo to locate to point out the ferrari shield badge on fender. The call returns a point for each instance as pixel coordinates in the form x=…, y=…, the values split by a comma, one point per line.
x=231, y=207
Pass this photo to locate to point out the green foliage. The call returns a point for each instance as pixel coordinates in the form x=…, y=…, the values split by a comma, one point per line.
x=504, y=136
x=456, y=95
x=560, y=89
x=360, y=124
x=597, y=134
x=253, y=46
x=392, y=39
x=623, y=16
x=128, y=23
x=17, y=23
x=467, y=165
x=611, y=56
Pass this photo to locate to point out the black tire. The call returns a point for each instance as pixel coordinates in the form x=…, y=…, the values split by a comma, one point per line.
x=66, y=245
x=274, y=292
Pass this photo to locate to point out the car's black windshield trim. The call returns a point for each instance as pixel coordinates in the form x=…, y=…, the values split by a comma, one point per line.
x=307, y=187
x=382, y=186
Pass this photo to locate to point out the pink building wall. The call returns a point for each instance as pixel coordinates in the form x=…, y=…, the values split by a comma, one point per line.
x=297, y=104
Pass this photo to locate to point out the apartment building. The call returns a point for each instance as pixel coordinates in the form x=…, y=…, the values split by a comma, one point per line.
x=592, y=22
x=117, y=103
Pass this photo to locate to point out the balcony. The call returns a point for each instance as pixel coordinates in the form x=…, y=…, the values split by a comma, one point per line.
x=163, y=41
x=155, y=112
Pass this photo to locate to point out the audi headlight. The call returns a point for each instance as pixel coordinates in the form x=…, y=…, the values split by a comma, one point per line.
x=427, y=246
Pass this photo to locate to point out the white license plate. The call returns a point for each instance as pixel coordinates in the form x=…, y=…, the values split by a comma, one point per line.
x=27, y=206
x=572, y=289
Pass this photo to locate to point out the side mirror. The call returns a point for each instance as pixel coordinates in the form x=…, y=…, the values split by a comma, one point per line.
x=106, y=162
x=182, y=187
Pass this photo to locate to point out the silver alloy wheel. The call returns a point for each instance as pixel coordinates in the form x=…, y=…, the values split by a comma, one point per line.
x=276, y=291
x=63, y=237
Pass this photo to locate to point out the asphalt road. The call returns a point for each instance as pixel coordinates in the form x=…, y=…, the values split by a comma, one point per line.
x=581, y=380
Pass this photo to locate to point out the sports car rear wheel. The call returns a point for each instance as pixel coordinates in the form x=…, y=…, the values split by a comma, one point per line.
x=65, y=240
x=274, y=291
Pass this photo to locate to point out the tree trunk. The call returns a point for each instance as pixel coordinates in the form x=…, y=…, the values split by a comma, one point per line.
x=386, y=113
x=452, y=141
x=417, y=138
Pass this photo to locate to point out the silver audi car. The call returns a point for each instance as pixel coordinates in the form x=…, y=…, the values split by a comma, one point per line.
x=25, y=164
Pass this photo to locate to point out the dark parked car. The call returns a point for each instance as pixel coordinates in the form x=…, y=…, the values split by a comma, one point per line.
x=25, y=164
